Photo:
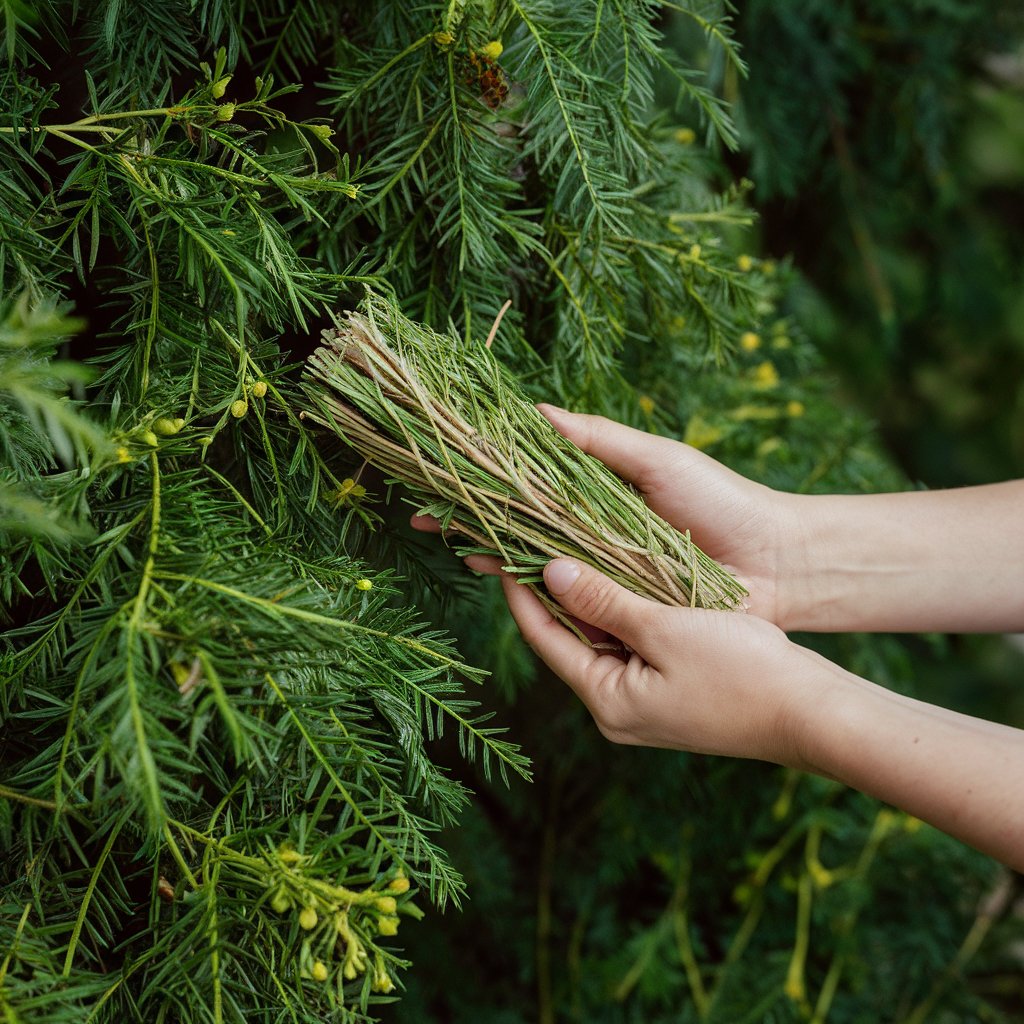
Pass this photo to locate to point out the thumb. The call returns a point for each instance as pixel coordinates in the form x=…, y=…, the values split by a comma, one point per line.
x=593, y=598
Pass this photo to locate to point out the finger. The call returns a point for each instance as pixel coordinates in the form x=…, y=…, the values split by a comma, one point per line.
x=564, y=653
x=643, y=459
x=669, y=474
x=488, y=565
x=593, y=598
x=428, y=524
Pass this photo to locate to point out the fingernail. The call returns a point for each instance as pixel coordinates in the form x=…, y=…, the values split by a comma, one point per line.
x=547, y=410
x=560, y=575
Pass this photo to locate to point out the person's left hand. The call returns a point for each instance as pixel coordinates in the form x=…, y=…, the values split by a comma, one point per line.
x=705, y=681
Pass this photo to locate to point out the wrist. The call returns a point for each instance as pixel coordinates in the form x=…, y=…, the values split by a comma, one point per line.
x=832, y=709
x=802, y=596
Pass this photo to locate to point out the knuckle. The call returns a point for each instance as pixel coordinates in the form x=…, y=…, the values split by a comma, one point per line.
x=593, y=600
x=587, y=429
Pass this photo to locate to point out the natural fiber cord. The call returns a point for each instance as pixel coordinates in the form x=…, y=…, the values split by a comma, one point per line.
x=447, y=420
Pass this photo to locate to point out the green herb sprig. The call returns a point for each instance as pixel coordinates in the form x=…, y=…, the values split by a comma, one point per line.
x=446, y=419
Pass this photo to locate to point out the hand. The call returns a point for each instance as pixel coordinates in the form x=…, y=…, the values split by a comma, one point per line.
x=725, y=683
x=747, y=527
x=912, y=561
x=705, y=681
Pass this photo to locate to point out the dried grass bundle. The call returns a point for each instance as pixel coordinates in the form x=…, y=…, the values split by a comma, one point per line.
x=447, y=420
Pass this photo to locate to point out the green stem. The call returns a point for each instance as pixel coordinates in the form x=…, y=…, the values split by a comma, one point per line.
x=684, y=945
x=94, y=878
x=385, y=68
x=92, y=123
x=11, y=794
x=135, y=625
x=14, y=944
x=274, y=609
x=331, y=773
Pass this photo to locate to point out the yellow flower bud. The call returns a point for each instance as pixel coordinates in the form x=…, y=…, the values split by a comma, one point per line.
x=695, y=251
x=349, y=971
x=795, y=989
x=444, y=38
x=387, y=925
x=386, y=904
x=150, y=438
x=646, y=404
x=701, y=434
x=225, y=112
x=382, y=982
x=685, y=136
x=364, y=585
x=821, y=875
x=239, y=408
x=493, y=50
x=259, y=389
x=744, y=262
x=399, y=884
x=750, y=340
x=319, y=971
x=220, y=87
x=308, y=918
x=123, y=455
x=795, y=408
x=765, y=375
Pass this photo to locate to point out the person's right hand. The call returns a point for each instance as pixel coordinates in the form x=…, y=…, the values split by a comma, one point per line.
x=749, y=528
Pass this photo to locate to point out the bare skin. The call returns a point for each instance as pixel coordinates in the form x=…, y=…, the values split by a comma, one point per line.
x=722, y=683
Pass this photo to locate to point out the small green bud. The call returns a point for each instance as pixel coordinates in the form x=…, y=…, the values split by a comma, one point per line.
x=281, y=902
x=308, y=918
x=349, y=971
x=319, y=971
x=259, y=389
x=167, y=427
x=364, y=584
x=220, y=87
x=225, y=112
x=323, y=132
x=239, y=408
x=150, y=438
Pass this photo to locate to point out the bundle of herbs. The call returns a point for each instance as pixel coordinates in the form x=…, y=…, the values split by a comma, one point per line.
x=446, y=419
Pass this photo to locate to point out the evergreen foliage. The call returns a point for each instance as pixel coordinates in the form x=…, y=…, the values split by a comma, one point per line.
x=236, y=752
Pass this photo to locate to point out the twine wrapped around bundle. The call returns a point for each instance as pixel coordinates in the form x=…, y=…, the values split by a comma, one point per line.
x=447, y=420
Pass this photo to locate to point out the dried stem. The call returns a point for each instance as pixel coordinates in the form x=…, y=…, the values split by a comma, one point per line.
x=446, y=419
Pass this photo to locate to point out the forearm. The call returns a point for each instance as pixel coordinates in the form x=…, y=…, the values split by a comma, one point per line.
x=961, y=774
x=921, y=561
